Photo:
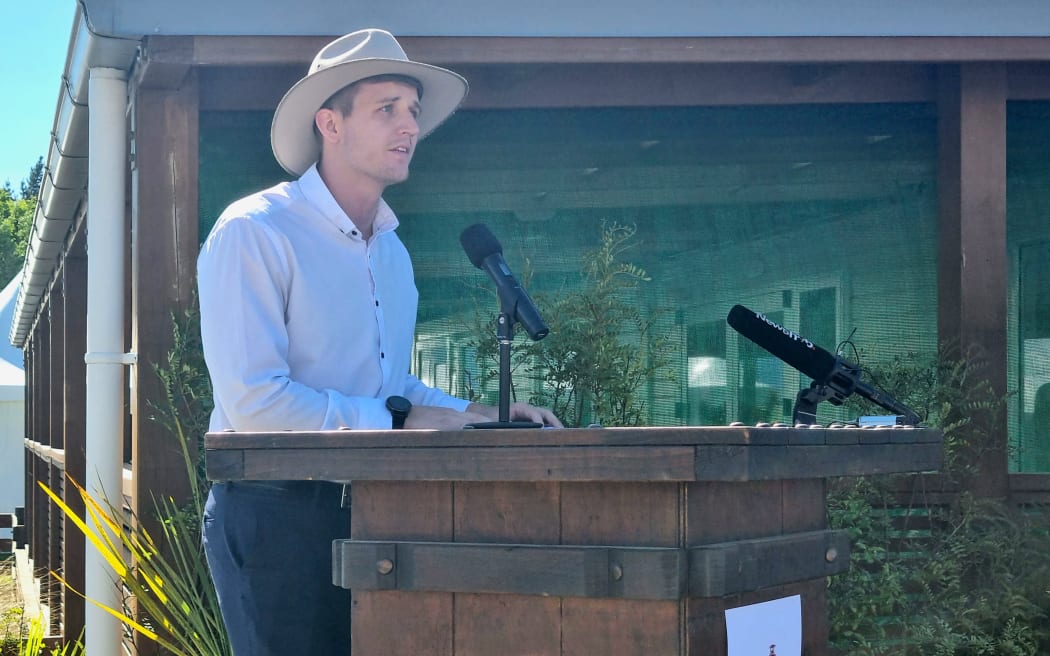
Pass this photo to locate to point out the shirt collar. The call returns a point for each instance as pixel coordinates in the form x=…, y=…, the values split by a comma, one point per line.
x=316, y=192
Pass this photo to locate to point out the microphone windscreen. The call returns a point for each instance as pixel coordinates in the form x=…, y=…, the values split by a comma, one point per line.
x=479, y=243
x=786, y=344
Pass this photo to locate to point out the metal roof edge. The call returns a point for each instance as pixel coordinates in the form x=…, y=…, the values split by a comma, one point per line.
x=63, y=188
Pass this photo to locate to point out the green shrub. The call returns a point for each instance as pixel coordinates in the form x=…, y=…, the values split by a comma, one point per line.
x=952, y=574
x=604, y=346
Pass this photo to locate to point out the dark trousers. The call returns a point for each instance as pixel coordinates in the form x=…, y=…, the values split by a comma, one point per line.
x=269, y=547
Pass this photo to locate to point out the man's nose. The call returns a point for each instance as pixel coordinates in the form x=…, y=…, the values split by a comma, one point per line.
x=409, y=125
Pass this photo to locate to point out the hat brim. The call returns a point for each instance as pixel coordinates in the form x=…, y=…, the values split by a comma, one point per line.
x=292, y=137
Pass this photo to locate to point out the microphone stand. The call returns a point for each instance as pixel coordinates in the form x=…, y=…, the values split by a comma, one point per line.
x=505, y=337
x=836, y=392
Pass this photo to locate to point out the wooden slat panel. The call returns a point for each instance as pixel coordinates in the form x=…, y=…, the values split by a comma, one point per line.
x=629, y=627
x=416, y=623
x=523, y=513
x=629, y=514
x=724, y=511
x=397, y=510
x=508, y=625
x=803, y=505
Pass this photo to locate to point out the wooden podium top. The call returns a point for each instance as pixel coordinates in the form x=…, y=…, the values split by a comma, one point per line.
x=683, y=453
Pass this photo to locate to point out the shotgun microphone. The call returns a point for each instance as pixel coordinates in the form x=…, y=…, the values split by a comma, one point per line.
x=832, y=371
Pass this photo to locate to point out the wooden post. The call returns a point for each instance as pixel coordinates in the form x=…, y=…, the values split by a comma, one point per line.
x=74, y=290
x=163, y=277
x=973, y=259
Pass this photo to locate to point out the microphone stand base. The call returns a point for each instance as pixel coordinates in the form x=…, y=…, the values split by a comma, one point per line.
x=505, y=424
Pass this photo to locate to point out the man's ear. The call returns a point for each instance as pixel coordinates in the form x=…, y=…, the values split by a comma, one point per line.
x=327, y=123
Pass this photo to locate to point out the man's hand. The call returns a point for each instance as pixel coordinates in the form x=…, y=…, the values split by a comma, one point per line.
x=519, y=411
x=429, y=416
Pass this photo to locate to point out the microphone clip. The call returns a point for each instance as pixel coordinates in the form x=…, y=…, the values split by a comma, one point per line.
x=807, y=400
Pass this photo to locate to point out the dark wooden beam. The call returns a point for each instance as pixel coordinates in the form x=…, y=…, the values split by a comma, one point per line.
x=74, y=294
x=56, y=360
x=53, y=590
x=504, y=86
x=973, y=260
x=163, y=250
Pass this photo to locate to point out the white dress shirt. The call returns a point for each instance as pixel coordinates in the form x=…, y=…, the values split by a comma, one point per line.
x=306, y=326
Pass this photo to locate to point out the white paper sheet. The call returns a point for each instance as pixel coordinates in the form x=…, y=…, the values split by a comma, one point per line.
x=771, y=627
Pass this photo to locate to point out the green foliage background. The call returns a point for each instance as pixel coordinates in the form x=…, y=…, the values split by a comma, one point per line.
x=16, y=221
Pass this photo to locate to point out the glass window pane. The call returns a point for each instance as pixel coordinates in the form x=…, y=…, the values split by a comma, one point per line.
x=1028, y=235
x=822, y=216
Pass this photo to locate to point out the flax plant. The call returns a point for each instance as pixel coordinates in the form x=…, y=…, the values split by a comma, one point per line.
x=172, y=585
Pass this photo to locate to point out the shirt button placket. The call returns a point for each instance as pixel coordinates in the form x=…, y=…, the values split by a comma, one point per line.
x=378, y=316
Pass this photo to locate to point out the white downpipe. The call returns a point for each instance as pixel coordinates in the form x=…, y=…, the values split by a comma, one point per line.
x=107, y=166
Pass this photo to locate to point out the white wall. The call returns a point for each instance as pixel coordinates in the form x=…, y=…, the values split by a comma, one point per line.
x=12, y=450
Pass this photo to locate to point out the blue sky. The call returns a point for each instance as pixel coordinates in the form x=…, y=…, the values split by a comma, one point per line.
x=33, y=51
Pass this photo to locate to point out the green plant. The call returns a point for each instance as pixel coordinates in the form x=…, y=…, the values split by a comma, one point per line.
x=187, y=403
x=603, y=346
x=951, y=574
x=24, y=636
x=169, y=581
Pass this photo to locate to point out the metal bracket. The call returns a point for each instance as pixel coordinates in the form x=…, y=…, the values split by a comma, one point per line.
x=104, y=357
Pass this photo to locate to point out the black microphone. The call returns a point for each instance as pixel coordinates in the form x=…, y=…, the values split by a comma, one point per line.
x=485, y=253
x=824, y=368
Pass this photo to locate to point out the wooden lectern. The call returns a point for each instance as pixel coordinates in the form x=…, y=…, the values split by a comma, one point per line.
x=578, y=542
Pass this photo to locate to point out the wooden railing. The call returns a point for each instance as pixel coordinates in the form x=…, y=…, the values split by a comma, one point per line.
x=53, y=543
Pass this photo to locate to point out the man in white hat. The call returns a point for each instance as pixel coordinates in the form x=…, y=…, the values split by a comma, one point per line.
x=308, y=309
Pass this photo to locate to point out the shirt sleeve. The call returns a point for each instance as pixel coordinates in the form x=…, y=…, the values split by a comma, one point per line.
x=242, y=281
x=419, y=393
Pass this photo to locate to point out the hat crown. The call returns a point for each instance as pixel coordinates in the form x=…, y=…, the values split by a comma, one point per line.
x=363, y=44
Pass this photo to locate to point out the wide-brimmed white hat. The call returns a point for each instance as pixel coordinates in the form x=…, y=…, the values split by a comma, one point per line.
x=356, y=56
